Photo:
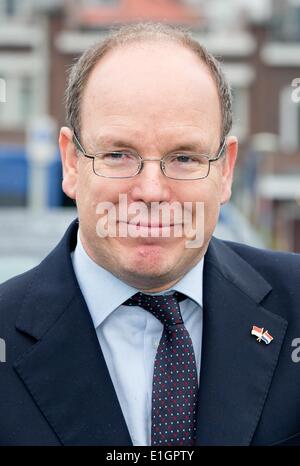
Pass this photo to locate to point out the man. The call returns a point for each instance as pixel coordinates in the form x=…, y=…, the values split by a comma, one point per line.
x=130, y=332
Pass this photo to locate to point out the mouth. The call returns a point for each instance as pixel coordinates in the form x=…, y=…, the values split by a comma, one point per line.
x=149, y=224
x=149, y=229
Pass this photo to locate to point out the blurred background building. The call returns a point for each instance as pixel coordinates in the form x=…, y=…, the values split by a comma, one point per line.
x=259, y=44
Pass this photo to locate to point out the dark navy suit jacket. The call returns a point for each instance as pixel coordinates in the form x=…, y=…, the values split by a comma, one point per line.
x=55, y=388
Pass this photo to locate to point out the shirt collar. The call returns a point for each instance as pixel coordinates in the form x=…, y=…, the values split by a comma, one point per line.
x=104, y=292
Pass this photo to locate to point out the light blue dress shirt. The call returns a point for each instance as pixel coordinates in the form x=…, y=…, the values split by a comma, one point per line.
x=129, y=335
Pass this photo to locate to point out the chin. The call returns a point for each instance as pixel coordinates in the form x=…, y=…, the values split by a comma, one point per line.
x=145, y=277
x=145, y=256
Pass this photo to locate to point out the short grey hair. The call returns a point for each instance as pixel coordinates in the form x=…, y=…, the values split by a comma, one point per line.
x=142, y=32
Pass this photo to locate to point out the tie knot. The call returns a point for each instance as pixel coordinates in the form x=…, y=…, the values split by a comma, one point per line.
x=164, y=307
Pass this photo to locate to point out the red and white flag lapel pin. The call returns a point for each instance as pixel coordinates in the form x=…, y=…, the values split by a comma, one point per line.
x=261, y=334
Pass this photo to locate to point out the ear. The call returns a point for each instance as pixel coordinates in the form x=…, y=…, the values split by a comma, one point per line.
x=69, y=159
x=228, y=164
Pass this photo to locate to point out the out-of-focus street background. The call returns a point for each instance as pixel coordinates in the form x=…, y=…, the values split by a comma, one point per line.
x=258, y=43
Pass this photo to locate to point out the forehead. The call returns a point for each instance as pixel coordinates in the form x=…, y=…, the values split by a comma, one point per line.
x=151, y=83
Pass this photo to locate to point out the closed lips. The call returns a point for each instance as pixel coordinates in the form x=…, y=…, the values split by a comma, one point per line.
x=151, y=225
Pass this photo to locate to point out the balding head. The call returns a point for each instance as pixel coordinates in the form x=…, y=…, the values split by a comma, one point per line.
x=139, y=33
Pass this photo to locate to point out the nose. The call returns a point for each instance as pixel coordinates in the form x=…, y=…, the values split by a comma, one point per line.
x=151, y=185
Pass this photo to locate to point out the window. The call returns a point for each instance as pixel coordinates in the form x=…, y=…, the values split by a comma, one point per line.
x=285, y=21
x=94, y=3
x=11, y=8
x=20, y=102
x=240, y=112
x=289, y=120
x=2, y=90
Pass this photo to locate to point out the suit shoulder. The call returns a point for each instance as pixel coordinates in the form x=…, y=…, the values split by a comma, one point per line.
x=12, y=294
x=267, y=260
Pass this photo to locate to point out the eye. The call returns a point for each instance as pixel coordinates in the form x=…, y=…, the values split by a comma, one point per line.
x=118, y=157
x=186, y=159
x=114, y=155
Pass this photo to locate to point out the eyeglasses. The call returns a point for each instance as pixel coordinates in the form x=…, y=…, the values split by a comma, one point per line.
x=128, y=163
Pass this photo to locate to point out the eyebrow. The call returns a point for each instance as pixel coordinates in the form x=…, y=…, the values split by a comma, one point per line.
x=195, y=147
x=121, y=143
x=110, y=139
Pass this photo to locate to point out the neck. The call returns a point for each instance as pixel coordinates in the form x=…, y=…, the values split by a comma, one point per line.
x=160, y=288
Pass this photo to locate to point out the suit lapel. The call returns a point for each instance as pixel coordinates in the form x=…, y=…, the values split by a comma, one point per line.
x=236, y=370
x=65, y=371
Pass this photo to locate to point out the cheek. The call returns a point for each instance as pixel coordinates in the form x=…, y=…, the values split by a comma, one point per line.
x=87, y=195
x=208, y=191
x=209, y=194
x=94, y=190
x=214, y=185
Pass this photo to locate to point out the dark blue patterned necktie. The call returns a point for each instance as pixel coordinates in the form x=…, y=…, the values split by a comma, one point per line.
x=175, y=385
